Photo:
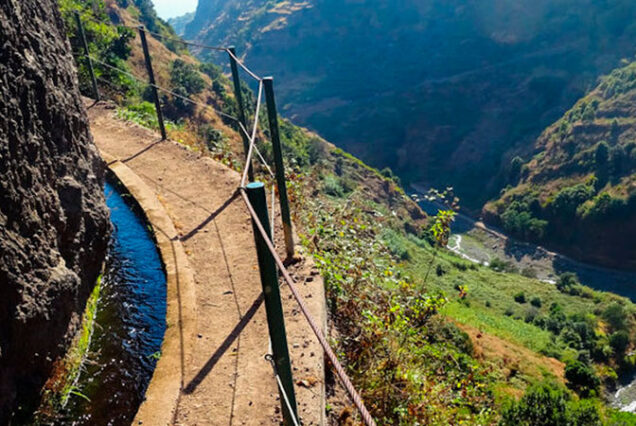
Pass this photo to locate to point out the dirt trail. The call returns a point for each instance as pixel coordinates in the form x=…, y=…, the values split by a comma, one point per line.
x=228, y=381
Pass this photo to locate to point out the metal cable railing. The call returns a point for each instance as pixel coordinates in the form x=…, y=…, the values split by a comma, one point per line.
x=251, y=149
x=340, y=372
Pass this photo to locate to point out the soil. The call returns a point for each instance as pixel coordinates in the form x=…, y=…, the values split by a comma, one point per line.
x=228, y=380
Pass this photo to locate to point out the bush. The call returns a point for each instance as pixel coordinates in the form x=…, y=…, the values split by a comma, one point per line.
x=186, y=75
x=566, y=282
x=547, y=405
x=520, y=297
x=395, y=243
x=601, y=154
x=536, y=301
x=615, y=316
x=515, y=169
x=619, y=342
x=581, y=377
x=499, y=265
x=529, y=272
x=519, y=220
x=569, y=199
x=331, y=186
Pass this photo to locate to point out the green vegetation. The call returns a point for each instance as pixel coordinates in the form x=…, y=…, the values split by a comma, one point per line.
x=144, y=114
x=426, y=336
x=581, y=185
x=62, y=385
x=549, y=405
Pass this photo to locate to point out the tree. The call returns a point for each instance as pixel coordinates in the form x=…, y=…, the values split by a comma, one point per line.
x=569, y=199
x=602, y=154
x=617, y=159
x=515, y=169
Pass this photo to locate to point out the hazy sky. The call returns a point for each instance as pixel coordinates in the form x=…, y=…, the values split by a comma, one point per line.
x=172, y=8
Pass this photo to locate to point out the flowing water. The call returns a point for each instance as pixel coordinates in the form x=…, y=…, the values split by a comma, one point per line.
x=130, y=323
x=480, y=244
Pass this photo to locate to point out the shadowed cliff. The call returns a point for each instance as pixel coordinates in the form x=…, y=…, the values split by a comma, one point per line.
x=54, y=224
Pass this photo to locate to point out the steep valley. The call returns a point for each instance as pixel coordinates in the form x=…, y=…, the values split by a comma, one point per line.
x=442, y=92
x=427, y=337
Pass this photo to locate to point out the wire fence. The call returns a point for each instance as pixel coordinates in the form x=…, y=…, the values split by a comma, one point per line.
x=252, y=150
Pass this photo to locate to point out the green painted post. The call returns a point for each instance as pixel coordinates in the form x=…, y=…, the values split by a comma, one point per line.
x=273, y=305
x=80, y=29
x=239, y=100
x=153, y=84
x=272, y=115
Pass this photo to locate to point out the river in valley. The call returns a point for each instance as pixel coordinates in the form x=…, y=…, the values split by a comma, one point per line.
x=130, y=323
x=479, y=243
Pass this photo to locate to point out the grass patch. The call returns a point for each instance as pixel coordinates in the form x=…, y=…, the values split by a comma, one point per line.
x=494, y=323
x=63, y=383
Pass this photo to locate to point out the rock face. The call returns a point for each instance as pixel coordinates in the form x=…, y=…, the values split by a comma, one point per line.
x=54, y=223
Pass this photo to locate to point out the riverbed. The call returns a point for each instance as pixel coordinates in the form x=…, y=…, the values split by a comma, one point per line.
x=479, y=243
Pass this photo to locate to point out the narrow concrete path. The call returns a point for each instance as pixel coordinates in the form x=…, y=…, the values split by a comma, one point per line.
x=226, y=381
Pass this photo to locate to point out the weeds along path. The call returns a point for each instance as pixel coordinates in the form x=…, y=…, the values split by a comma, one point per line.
x=227, y=381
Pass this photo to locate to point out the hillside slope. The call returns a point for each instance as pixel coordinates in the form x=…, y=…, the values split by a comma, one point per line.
x=578, y=191
x=439, y=91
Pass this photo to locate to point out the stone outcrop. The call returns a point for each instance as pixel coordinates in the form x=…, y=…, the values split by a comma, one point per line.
x=54, y=223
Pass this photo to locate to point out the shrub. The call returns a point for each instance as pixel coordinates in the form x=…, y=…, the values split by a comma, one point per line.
x=615, y=316
x=548, y=405
x=601, y=154
x=388, y=173
x=439, y=270
x=331, y=185
x=566, y=282
x=569, y=199
x=520, y=297
x=619, y=342
x=496, y=264
x=395, y=243
x=581, y=377
x=519, y=220
x=186, y=75
x=515, y=169
x=529, y=272
x=536, y=301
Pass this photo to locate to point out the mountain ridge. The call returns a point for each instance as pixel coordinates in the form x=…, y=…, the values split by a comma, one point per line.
x=440, y=92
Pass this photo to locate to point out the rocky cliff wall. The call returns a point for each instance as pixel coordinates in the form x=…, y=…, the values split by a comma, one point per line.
x=53, y=220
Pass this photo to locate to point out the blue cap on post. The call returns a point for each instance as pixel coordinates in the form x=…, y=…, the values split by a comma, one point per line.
x=255, y=185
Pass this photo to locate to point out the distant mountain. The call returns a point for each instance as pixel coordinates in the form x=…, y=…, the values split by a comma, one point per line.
x=180, y=22
x=578, y=192
x=439, y=90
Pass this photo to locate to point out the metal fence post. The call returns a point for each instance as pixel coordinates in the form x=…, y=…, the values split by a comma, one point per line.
x=273, y=305
x=272, y=115
x=241, y=113
x=153, y=84
x=80, y=29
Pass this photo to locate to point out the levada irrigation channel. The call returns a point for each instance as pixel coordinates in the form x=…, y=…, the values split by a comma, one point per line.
x=130, y=322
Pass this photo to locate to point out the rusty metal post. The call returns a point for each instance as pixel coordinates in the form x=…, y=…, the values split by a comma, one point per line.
x=82, y=35
x=241, y=113
x=153, y=84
